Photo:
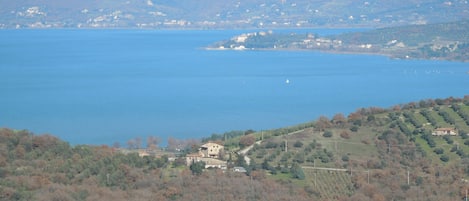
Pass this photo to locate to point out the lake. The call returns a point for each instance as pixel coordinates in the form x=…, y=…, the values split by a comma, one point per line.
x=106, y=86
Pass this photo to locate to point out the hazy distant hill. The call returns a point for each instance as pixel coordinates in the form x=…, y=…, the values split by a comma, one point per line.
x=226, y=13
x=448, y=41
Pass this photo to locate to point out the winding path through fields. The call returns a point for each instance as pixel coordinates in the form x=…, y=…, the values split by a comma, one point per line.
x=245, y=151
x=324, y=168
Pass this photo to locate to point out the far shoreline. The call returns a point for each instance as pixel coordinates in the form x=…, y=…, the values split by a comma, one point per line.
x=387, y=55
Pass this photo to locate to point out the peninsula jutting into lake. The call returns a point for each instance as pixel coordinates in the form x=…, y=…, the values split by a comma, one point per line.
x=445, y=41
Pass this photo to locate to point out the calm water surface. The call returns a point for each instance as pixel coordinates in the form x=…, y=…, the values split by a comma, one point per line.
x=103, y=86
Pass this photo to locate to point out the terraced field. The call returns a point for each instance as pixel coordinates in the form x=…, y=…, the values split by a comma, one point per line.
x=360, y=144
x=445, y=148
x=329, y=184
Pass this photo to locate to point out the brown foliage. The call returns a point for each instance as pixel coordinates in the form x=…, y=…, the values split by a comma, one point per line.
x=20, y=151
x=152, y=142
x=378, y=197
x=339, y=119
x=247, y=140
x=355, y=116
x=134, y=143
x=171, y=192
x=345, y=134
x=44, y=142
x=258, y=175
x=6, y=134
x=323, y=123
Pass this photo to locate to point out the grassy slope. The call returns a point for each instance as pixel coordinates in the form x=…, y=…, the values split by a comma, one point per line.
x=360, y=147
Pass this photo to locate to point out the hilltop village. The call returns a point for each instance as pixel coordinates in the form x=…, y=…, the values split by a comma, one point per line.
x=210, y=154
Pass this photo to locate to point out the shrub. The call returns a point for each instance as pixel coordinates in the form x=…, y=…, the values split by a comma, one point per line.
x=308, y=149
x=463, y=135
x=345, y=135
x=438, y=151
x=299, y=157
x=310, y=159
x=454, y=148
x=312, y=145
x=284, y=170
x=327, y=134
x=297, y=172
x=197, y=168
x=444, y=158
x=345, y=158
x=460, y=153
x=448, y=139
x=325, y=159
x=405, y=187
x=419, y=180
x=298, y=144
x=271, y=145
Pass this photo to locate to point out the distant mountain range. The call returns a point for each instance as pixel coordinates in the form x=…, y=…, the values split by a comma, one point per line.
x=226, y=14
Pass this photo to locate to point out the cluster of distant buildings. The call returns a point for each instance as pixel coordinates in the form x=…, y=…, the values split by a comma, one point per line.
x=211, y=153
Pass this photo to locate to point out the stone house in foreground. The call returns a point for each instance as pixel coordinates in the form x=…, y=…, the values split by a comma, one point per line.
x=211, y=150
x=209, y=153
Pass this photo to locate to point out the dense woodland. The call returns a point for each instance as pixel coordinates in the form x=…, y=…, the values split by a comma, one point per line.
x=42, y=167
x=376, y=153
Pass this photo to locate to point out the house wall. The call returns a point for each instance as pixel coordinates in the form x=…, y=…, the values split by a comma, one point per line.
x=211, y=150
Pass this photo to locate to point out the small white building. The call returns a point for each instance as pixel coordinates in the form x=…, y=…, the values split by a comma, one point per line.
x=239, y=169
x=445, y=131
x=209, y=162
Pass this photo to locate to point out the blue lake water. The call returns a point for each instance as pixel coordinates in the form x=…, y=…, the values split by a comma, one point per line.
x=105, y=86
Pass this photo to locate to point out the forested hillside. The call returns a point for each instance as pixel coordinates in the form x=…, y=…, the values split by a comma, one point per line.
x=42, y=167
x=371, y=154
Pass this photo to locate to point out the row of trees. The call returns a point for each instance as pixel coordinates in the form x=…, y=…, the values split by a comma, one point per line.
x=459, y=110
x=152, y=143
x=427, y=114
x=136, y=143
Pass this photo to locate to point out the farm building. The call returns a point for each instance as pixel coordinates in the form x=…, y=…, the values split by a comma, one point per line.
x=209, y=153
x=444, y=131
